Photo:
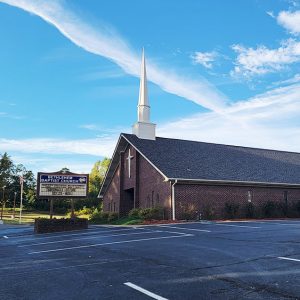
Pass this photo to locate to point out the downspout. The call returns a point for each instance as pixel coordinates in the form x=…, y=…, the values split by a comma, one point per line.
x=173, y=200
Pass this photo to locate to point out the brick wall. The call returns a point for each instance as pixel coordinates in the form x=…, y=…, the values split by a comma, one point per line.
x=111, y=199
x=153, y=190
x=149, y=186
x=208, y=199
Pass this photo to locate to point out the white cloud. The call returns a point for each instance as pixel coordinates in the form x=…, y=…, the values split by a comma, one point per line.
x=263, y=60
x=96, y=147
x=205, y=59
x=290, y=21
x=270, y=120
x=105, y=42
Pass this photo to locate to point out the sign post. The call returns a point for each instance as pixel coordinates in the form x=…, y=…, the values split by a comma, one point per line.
x=51, y=208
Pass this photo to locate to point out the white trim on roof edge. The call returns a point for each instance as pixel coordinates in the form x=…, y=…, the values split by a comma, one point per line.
x=237, y=181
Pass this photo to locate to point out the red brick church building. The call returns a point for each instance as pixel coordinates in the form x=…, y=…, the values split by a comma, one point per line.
x=193, y=177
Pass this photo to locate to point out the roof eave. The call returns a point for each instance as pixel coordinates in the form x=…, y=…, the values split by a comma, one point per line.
x=232, y=182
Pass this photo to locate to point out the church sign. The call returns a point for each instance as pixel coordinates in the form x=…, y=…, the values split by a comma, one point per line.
x=62, y=185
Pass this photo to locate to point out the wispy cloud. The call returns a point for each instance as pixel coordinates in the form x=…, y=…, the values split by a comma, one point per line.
x=103, y=129
x=102, y=74
x=105, y=42
x=269, y=120
x=96, y=147
x=294, y=79
x=205, y=59
x=52, y=163
x=262, y=60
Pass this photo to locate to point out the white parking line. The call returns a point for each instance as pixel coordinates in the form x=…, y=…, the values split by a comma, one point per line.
x=50, y=234
x=287, y=258
x=203, y=230
x=82, y=233
x=280, y=224
x=243, y=226
x=91, y=237
x=110, y=243
x=148, y=293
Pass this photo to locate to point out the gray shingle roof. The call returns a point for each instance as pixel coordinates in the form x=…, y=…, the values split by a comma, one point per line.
x=206, y=161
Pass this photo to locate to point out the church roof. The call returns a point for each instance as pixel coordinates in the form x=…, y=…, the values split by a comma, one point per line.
x=190, y=160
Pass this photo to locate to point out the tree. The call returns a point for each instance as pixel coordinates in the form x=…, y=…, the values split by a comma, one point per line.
x=6, y=169
x=65, y=170
x=10, y=178
x=97, y=175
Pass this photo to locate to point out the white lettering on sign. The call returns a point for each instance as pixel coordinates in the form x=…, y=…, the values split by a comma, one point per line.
x=75, y=190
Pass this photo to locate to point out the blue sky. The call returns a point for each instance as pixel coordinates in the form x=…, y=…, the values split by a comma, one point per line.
x=219, y=71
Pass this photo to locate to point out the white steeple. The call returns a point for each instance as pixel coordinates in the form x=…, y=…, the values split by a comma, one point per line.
x=143, y=128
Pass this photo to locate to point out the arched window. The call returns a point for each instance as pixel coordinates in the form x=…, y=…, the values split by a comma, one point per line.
x=157, y=199
x=152, y=199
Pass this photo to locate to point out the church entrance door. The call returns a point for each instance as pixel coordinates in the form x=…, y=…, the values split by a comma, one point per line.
x=128, y=204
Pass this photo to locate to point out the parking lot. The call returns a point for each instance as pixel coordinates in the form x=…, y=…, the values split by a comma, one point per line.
x=208, y=260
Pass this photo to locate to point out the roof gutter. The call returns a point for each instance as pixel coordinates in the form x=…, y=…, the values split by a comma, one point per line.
x=235, y=182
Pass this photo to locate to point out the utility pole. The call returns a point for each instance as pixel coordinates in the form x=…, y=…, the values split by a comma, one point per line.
x=14, y=213
x=21, y=202
x=2, y=201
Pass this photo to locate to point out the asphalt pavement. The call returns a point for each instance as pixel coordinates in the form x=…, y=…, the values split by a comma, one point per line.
x=207, y=260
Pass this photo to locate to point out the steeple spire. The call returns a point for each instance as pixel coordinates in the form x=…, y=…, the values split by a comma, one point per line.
x=143, y=128
x=143, y=105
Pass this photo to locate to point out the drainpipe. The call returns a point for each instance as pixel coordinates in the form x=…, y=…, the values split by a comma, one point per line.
x=173, y=200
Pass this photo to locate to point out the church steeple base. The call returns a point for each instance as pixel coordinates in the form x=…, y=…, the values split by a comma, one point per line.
x=144, y=130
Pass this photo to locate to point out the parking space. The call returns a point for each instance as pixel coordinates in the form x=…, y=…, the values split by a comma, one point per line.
x=206, y=260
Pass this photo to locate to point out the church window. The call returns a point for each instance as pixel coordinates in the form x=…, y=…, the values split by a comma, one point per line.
x=114, y=206
x=157, y=199
x=152, y=199
x=148, y=201
x=109, y=206
x=285, y=197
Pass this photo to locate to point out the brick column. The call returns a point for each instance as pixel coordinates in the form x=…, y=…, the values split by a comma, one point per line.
x=122, y=198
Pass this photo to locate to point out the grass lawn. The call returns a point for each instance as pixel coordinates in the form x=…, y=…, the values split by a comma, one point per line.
x=27, y=216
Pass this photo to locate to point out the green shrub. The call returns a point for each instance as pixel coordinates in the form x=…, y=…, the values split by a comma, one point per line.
x=268, y=209
x=249, y=210
x=99, y=217
x=231, y=209
x=294, y=210
x=274, y=209
x=189, y=212
x=112, y=217
x=208, y=212
x=134, y=213
x=155, y=213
